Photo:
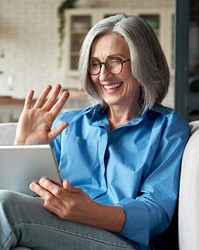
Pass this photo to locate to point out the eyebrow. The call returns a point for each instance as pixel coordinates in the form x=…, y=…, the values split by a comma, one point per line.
x=110, y=56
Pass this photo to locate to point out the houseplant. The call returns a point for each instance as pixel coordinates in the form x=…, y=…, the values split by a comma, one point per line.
x=61, y=29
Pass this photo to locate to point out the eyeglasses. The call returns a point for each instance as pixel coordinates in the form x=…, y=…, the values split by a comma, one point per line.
x=112, y=65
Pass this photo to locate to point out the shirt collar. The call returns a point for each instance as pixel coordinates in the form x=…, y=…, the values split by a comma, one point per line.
x=99, y=118
x=160, y=109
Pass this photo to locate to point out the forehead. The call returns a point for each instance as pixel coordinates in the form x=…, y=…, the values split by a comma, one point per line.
x=109, y=44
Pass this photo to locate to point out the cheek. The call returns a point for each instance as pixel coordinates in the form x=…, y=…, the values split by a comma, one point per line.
x=131, y=83
x=95, y=83
x=94, y=80
x=127, y=78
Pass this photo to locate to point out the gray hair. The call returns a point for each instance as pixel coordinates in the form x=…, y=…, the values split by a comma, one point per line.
x=148, y=62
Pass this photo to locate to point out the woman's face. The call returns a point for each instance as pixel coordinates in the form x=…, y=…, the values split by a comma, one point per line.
x=120, y=89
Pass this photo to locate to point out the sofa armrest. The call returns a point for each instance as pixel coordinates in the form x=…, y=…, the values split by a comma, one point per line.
x=188, y=215
x=7, y=133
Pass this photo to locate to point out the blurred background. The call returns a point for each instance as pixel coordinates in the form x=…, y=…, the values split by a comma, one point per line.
x=34, y=51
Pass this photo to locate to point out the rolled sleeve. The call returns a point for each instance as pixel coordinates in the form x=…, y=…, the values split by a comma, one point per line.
x=136, y=213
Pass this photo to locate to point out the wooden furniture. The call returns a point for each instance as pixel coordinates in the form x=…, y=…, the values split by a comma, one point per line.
x=10, y=108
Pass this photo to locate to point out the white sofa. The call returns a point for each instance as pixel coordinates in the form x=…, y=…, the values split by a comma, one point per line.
x=188, y=196
x=7, y=135
x=188, y=209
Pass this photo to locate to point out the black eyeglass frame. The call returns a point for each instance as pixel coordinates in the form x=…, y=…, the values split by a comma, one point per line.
x=101, y=63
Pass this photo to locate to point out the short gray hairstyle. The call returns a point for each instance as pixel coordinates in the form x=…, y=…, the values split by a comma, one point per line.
x=148, y=63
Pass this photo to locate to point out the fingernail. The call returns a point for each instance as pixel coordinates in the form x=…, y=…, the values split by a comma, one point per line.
x=32, y=186
x=41, y=181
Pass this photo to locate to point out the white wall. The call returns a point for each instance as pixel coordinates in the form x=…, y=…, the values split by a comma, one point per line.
x=28, y=45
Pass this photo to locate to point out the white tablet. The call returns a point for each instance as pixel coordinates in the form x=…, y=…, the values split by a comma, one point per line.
x=22, y=164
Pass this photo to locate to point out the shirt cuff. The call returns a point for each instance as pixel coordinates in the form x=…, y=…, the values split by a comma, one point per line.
x=136, y=227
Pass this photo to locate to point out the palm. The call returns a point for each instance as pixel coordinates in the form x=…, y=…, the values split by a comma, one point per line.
x=34, y=126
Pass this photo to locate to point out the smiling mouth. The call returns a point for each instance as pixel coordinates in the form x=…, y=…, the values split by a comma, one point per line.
x=114, y=86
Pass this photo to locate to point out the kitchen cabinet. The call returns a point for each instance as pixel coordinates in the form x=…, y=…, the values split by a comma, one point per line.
x=162, y=22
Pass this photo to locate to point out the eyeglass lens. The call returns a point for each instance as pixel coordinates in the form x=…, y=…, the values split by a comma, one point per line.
x=113, y=66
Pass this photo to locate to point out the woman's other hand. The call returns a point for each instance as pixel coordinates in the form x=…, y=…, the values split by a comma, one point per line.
x=34, y=125
x=73, y=204
x=67, y=202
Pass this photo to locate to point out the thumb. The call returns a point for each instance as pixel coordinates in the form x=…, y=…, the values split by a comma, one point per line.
x=67, y=186
x=57, y=130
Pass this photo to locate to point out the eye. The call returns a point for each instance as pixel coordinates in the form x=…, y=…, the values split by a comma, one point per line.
x=94, y=63
x=114, y=61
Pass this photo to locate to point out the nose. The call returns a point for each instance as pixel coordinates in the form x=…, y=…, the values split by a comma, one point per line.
x=104, y=74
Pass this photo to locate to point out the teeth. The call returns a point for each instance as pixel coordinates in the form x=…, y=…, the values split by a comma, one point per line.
x=112, y=86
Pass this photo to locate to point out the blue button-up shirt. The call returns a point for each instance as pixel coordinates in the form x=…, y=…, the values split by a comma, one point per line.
x=135, y=166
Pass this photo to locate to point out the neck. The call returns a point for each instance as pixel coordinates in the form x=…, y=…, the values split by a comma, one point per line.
x=118, y=116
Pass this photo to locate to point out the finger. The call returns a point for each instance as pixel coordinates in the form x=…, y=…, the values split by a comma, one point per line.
x=51, y=101
x=35, y=187
x=43, y=96
x=54, y=208
x=44, y=193
x=28, y=100
x=57, y=130
x=67, y=186
x=50, y=201
x=53, y=196
x=60, y=103
x=53, y=188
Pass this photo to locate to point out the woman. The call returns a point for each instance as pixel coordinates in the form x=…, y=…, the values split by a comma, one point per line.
x=116, y=158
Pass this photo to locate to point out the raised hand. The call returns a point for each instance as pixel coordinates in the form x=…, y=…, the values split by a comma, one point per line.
x=34, y=125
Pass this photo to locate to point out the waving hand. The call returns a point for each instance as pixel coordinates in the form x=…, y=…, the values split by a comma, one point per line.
x=34, y=125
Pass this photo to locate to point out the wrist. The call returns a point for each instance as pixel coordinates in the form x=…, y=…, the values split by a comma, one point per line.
x=111, y=218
